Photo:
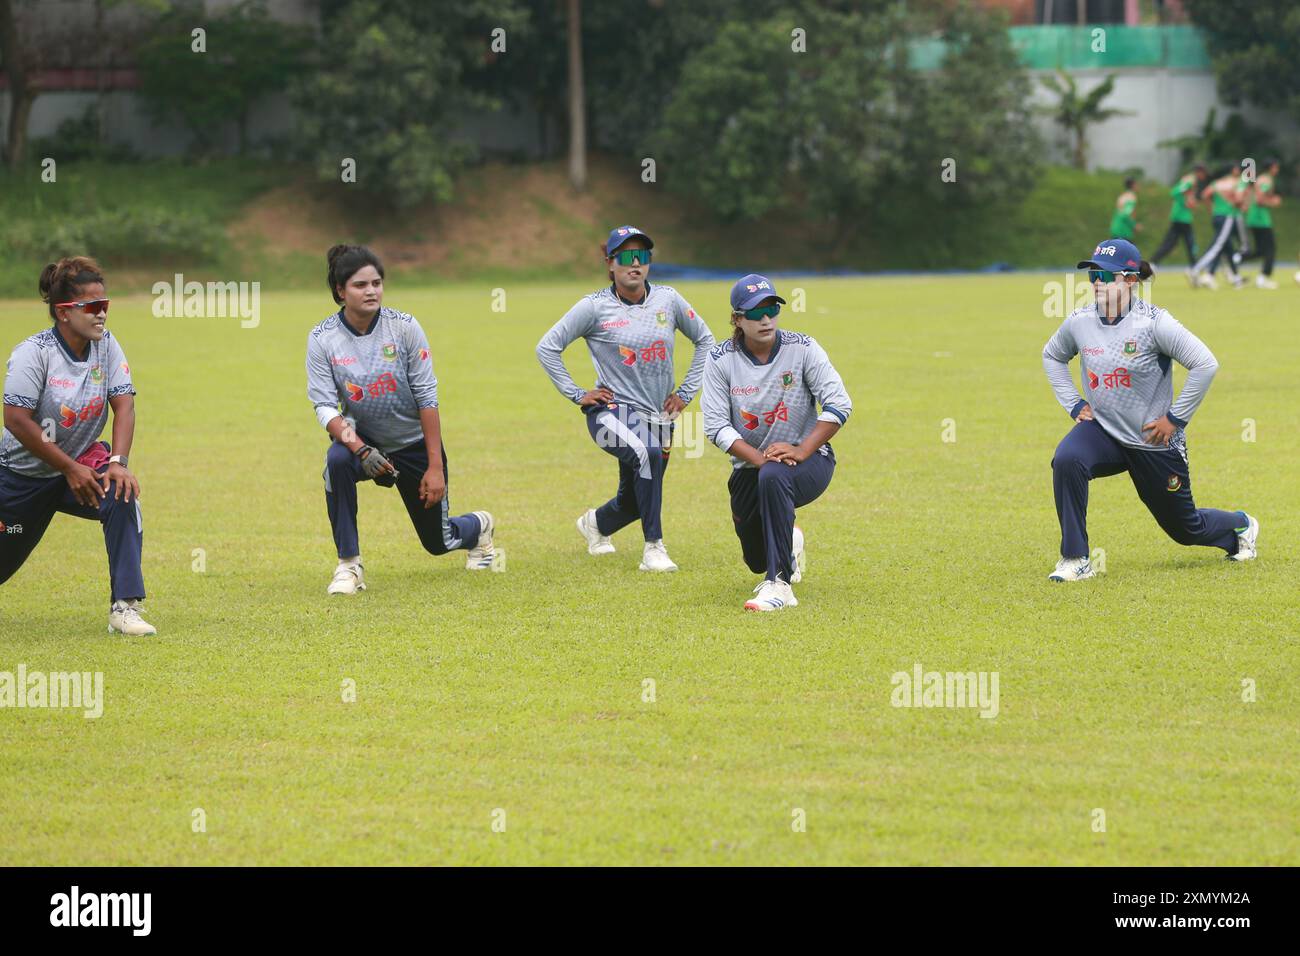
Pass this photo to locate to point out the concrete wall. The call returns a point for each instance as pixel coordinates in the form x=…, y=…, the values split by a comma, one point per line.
x=1167, y=103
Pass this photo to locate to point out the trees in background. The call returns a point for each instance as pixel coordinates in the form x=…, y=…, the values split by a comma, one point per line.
x=210, y=81
x=1074, y=113
x=754, y=125
x=1255, y=45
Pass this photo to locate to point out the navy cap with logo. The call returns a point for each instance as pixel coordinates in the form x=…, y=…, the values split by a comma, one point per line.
x=750, y=290
x=1114, y=255
x=621, y=234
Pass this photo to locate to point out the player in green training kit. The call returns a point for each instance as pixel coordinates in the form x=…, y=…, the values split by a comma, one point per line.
x=1124, y=222
x=1180, y=216
x=1227, y=203
x=1259, y=220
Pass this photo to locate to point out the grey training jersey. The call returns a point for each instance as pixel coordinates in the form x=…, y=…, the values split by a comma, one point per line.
x=381, y=378
x=631, y=347
x=1127, y=370
x=65, y=392
x=774, y=401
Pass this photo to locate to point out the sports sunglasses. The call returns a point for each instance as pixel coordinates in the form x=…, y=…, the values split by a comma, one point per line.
x=625, y=257
x=1105, y=275
x=763, y=312
x=90, y=307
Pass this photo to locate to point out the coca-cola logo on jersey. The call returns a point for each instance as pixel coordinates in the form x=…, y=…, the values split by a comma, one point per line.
x=62, y=382
x=744, y=390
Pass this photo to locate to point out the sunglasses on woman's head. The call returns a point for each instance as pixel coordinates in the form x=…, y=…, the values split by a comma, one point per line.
x=1104, y=275
x=90, y=307
x=626, y=257
x=762, y=312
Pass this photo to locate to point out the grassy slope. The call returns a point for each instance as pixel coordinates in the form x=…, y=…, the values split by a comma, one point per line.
x=523, y=222
x=523, y=691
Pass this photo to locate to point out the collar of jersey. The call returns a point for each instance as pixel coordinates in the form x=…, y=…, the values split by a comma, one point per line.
x=1132, y=304
x=348, y=325
x=614, y=289
x=67, y=349
x=776, y=347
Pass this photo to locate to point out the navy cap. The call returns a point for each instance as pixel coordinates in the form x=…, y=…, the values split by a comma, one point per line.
x=751, y=290
x=621, y=234
x=1114, y=255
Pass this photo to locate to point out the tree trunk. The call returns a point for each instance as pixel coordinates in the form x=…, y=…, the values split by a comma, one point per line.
x=101, y=73
x=22, y=88
x=577, y=101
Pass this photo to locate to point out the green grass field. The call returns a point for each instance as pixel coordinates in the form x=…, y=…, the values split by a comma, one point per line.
x=524, y=691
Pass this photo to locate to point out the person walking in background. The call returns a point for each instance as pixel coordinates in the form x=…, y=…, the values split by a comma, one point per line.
x=1225, y=195
x=1183, y=194
x=1123, y=222
x=1262, y=199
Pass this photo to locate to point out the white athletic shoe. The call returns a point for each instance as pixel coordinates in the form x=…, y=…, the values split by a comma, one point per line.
x=1264, y=282
x=655, y=557
x=484, y=556
x=1191, y=277
x=1207, y=281
x=800, y=557
x=124, y=618
x=348, y=579
x=597, y=543
x=772, y=596
x=1246, y=541
x=1072, y=569
x=1239, y=282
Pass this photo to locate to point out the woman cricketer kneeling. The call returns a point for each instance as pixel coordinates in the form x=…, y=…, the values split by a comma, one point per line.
x=374, y=362
x=760, y=402
x=58, y=391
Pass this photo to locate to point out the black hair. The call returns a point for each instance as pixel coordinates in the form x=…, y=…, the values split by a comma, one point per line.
x=1130, y=182
x=346, y=261
x=60, y=280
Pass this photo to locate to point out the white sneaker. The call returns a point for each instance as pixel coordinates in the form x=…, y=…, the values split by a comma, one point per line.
x=348, y=579
x=771, y=596
x=597, y=543
x=1191, y=277
x=124, y=618
x=1239, y=282
x=484, y=556
x=655, y=557
x=1246, y=541
x=1264, y=282
x=1072, y=569
x=1207, y=281
x=800, y=557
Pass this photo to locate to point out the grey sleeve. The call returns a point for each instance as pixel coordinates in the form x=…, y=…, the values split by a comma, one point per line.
x=419, y=367
x=715, y=405
x=320, y=383
x=1057, y=353
x=25, y=377
x=826, y=386
x=1190, y=352
x=575, y=324
x=693, y=327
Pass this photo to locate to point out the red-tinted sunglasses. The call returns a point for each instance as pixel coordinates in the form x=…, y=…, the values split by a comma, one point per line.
x=91, y=307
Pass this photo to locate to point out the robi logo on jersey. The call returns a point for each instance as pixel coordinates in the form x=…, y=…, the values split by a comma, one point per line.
x=385, y=383
x=1120, y=378
x=70, y=416
x=779, y=413
x=654, y=352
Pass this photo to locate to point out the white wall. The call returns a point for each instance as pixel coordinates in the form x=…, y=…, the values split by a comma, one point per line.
x=1167, y=103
